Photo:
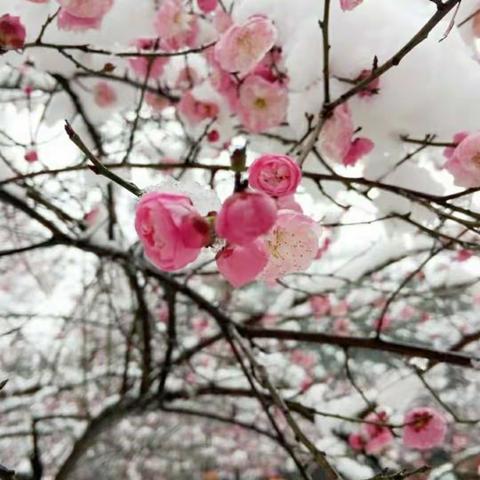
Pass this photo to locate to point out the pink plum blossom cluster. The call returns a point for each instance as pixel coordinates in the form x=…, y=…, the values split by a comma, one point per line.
x=246, y=69
x=264, y=231
x=424, y=428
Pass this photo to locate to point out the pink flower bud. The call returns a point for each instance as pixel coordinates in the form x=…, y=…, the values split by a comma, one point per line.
x=213, y=136
x=349, y=4
x=276, y=175
x=245, y=216
x=207, y=6
x=31, y=156
x=240, y=264
x=12, y=33
x=171, y=230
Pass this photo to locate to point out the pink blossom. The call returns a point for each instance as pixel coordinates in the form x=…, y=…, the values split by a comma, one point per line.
x=86, y=8
x=262, y=105
x=12, y=33
x=463, y=255
x=356, y=441
x=384, y=323
x=320, y=305
x=292, y=244
x=104, y=94
x=306, y=383
x=425, y=428
x=372, y=88
x=464, y=164
x=169, y=161
x=267, y=68
x=358, y=148
x=187, y=78
x=377, y=437
x=141, y=65
x=372, y=438
x=207, y=6
x=289, y=203
x=200, y=323
x=304, y=359
x=242, y=47
x=156, y=102
x=171, y=230
x=276, y=175
x=341, y=326
x=336, y=138
x=175, y=26
x=408, y=312
x=349, y=4
x=31, y=156
x=457, y=138
x=240, y=264
x=245, y=216
x=92, y=216
x=195, y=110
x=269, y=320
x=162, y=312
x=225, y=85
x=222, y=20
x=71, y=23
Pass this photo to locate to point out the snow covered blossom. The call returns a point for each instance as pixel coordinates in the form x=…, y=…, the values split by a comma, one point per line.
x=12, y=32
x=276, y=175
x=171, y=230
x=425, y=428
x=242, y=47
x=245, y=216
